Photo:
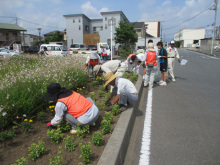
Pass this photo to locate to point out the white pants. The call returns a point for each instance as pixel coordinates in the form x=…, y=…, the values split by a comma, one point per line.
x=149, y=76
x=170, y=67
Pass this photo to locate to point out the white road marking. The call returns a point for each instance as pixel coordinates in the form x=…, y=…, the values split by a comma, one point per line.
x=145, y=147
x=206, y=56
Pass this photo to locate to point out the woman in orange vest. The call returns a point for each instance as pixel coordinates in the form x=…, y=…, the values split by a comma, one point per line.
x=71, y=106
x=151, y=62
x=104, y=53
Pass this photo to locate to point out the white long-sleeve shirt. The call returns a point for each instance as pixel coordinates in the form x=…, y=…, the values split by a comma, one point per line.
x=172, y=52
x=110, y=66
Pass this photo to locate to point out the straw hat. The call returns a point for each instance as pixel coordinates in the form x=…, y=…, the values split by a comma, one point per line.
x=109, y=77
x=96, y=69
x=151, y=47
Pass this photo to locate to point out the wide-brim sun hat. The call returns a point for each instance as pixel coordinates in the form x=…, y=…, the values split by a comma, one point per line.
x=54, y=92
x=151, y=47
x=109, y=77
x=172, y=42
x=96, y=69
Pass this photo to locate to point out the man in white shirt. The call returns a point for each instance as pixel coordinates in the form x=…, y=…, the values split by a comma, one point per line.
x=172, y=53
x=124, y=91
x=115, y=66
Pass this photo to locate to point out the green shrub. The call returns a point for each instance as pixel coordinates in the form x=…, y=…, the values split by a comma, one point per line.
x=70, y=144
x=35, y=151
x=108, y=116
x=57, y=159
x=86, y=152
x=115, y=109
x=26, y=126
x=105, y=126
x=41, y=115
x=55, y=135
x=92, y=96
x=97, y=138
x=22, y=161
x=64, y=126
x=125, y=75
x=82, y=130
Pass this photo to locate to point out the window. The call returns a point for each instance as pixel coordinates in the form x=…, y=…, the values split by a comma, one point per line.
x=82, y=46
x=105, y=26
x=57, y=48
x=105, y=18
x=71, y=41
x=73, y=20
x=101, y=28
x=94, y=29
x=79, y=20
x=79, y=27
x=87, y=28
x=51, y=48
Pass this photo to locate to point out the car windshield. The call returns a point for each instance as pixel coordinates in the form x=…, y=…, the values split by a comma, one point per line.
x=62, y=48
x=75, y=46
x=91, y=46
x=141, y=47
x=106, y=46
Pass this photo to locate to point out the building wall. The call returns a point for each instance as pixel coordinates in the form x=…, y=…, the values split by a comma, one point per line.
x=97, y=24
x=153, y=28
x=74, y=34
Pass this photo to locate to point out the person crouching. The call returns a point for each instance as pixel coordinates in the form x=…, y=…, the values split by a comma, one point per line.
x=71, y=106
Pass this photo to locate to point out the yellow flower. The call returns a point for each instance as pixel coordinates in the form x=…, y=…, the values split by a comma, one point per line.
x=6, y=131
x=30, y=121
x=25, y=119
x=51, y=110
x=50, y=107
x=84, y=87
x=80, y=88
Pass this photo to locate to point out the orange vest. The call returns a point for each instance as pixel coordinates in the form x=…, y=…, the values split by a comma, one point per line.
x=151, y=57
x=76, y=104
x=103, y=50
x=130, y=55
x=93, y=62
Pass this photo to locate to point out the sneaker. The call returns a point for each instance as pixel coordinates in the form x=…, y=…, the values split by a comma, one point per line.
x=174, y=80
x=161, y=81
x=73, y=130
x=163, y=84
x=123, y=108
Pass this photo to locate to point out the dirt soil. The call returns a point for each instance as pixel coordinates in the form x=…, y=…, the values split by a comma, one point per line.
x=19, y=147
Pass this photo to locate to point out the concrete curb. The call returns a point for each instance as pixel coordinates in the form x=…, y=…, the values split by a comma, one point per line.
x=116, y=148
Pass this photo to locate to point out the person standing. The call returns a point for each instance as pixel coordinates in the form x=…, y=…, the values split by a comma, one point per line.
x=172, y=53
x=151, y=62
x=104, y=53
x=163, y=63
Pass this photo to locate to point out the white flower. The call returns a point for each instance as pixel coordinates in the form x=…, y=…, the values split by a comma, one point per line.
x=24, y=115
x=4, y=113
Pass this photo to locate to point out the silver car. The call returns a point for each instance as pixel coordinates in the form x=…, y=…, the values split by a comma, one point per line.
x=5, y=53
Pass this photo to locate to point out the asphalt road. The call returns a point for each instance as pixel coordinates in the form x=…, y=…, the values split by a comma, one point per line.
x=185, y=119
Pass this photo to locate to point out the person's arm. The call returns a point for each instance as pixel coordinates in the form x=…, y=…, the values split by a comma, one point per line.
x=115, y=100
x=177, y=55
x=59, y=112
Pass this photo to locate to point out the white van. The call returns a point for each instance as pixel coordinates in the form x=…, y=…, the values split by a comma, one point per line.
x=106, y=46
x=54, y=50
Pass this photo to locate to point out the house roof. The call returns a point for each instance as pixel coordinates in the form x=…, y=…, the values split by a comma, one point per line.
x=7, y=26
x=138, y=25
x=114, y=12
x=76, y=15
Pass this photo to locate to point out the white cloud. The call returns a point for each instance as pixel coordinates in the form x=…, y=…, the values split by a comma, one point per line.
x=190, y=2
x=104, y=9
x=146, y=3
x=167, y=2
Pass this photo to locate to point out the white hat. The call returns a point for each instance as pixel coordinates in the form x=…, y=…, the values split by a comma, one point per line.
x=172, y=42
x=94, y=55
x=151, y=47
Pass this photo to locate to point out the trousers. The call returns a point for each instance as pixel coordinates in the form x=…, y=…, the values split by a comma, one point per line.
x=149, y=76
x=170, y=67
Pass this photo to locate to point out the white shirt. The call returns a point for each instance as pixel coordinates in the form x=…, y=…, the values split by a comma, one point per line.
x=172, y=52
x=59, y=112
x=141, y=57
x=124, y=84
x=110, y=66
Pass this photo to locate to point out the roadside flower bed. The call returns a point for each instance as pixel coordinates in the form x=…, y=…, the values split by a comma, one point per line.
x=30, y=142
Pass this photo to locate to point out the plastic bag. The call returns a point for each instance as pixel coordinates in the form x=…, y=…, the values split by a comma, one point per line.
x=183, y=62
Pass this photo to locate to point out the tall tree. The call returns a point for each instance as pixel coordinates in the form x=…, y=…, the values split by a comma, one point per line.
x=57, y=36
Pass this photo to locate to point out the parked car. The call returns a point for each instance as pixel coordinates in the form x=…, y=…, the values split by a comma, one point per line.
x=32, y=50
x=78, y=47
x=5, y=53
x=54, y=50
x=92, y=47
x=24, y=48
x=141, y=49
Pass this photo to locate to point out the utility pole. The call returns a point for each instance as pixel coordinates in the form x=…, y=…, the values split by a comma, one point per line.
x=213, y=33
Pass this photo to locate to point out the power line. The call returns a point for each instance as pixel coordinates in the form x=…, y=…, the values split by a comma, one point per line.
x=189, y=18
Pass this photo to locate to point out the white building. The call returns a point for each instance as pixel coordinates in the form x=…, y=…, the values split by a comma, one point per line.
x=153, y=28
x=189, y=37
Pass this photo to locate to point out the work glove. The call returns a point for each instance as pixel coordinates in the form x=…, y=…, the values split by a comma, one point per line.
x=86, y=65
x=107, y=101
x=158, y=56
x=49, y=125
x=179, y=60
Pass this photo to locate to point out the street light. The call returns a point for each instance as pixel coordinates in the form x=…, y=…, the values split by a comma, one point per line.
x=145, y=26
x=39, y=30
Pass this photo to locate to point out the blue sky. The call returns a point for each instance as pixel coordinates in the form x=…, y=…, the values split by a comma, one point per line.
x=48, y=14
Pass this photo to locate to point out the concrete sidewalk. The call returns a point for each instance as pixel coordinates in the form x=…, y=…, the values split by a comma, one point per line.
x=207, y=52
